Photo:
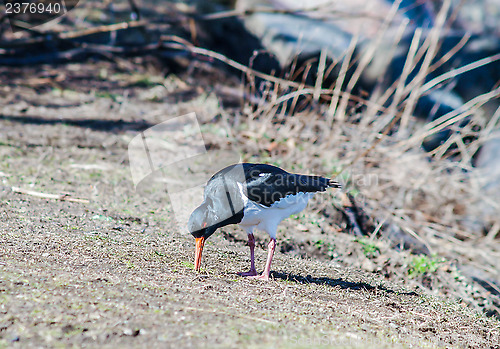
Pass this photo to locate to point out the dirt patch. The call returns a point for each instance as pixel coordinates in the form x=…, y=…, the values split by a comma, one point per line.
x=115, y=271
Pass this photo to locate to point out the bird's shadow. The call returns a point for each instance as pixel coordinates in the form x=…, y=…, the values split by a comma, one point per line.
x=336, y=283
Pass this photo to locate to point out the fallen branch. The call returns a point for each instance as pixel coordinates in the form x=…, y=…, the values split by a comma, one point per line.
x=317, y=12
x=82, y=35
x=62, y=197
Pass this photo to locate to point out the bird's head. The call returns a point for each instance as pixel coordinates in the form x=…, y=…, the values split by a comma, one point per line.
x=202, y=224
x=223, y=205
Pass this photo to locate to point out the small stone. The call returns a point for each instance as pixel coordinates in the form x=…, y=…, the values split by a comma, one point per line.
x=130, y=332
x=368, y=265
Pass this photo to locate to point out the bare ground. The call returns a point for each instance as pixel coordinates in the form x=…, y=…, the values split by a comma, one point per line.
x=115, y=271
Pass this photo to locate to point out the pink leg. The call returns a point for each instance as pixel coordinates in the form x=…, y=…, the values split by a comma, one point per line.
x=270, y=253
x=251, y=244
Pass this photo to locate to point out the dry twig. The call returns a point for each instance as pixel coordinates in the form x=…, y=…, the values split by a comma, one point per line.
x=62, y=197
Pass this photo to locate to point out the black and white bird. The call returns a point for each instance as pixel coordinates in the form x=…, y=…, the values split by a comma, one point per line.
x=253, y=196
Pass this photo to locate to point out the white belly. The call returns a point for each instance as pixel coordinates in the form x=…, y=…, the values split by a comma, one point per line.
x=268, y=218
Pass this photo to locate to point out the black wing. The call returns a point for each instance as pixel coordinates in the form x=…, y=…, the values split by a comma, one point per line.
x=266, y=184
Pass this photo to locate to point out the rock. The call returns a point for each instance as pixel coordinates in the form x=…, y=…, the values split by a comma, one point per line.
x=487, y=174
x=287, y=37
x=290, y=36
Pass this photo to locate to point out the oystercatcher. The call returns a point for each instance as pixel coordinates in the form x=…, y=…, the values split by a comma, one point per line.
x=253, y=196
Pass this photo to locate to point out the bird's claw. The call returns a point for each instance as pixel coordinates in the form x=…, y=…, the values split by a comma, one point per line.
x=261, y=277
x=248, y=273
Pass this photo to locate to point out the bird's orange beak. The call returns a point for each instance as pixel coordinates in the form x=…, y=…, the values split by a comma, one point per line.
x=197, y=255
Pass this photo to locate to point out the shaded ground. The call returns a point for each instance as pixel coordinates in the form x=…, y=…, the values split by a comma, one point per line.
x=116, y=271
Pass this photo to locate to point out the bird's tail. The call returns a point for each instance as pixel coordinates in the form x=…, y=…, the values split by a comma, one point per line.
x=333, y=184
x=316, y=183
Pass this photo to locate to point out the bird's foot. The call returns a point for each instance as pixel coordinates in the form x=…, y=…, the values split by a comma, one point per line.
x=263, y=276
x=251, y=272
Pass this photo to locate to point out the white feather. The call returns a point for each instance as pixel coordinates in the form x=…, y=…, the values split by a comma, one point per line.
x=267, y=218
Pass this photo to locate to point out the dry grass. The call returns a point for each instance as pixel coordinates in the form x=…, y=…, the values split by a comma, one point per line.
x=372, y=145
x=434, y=197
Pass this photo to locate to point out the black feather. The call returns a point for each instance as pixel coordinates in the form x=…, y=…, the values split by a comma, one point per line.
x=267, y=184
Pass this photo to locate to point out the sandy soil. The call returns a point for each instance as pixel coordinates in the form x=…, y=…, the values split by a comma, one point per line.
x=116, y=271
